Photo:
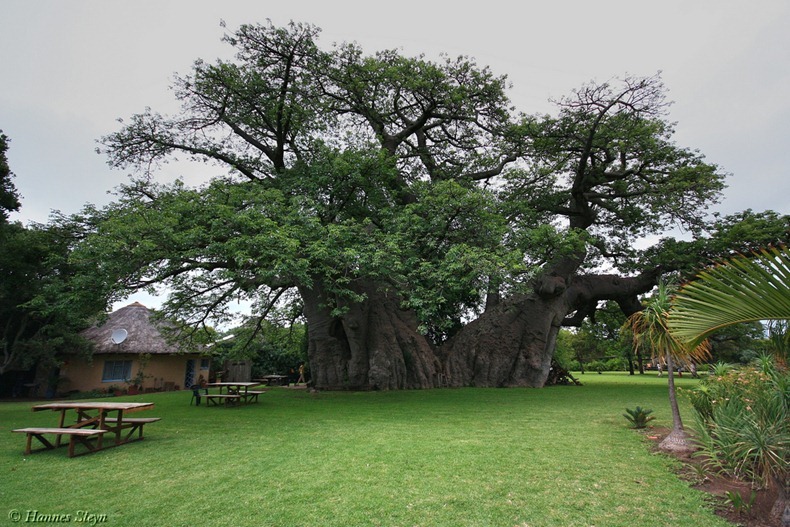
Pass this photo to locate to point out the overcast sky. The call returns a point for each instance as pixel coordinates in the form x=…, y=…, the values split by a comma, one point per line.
x=70, y=69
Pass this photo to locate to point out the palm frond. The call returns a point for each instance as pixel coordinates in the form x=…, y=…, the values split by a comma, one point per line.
x=650, y=331
x=743, y=289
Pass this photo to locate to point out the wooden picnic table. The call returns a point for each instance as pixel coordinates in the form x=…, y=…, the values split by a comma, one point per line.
x=93, y=421
x=237, y=392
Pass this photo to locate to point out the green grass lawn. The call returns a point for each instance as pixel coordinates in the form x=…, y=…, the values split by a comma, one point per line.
x=560, y=456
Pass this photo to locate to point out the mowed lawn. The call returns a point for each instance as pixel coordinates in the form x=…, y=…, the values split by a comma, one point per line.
x=559, y=456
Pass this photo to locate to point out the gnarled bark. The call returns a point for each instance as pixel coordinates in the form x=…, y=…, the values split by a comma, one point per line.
x=509, y=345
x=513, y=343
x=376, y=345
x=373, y=345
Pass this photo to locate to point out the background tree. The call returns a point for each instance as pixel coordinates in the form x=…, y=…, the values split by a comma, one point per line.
x=599, y=342
x=273, y=347
x=739, y=343
x=44, y=298
x=604, y=326
x=565, y=354
x=9, y=197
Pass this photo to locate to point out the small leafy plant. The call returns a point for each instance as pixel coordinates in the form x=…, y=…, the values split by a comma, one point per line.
x=639, y=417
x=698, y=472
x=740, y=504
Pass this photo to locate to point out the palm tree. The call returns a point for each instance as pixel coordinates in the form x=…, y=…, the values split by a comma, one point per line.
x=650, y=330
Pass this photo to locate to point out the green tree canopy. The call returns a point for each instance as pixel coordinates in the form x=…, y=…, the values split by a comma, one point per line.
x=44, y=298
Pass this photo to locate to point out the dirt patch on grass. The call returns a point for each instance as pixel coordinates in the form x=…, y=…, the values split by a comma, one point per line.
x=756, y=504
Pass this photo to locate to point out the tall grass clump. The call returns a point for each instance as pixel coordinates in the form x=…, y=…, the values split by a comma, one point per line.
x=742, y=423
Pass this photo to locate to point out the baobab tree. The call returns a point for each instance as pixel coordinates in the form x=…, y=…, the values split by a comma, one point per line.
x=393, y=200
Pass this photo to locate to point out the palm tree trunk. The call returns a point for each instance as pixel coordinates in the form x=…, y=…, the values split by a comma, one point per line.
x=677, y=422
x=677, y=440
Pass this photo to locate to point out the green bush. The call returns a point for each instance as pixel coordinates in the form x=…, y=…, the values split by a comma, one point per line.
x=741, y=420
x=618, y=364
x=597, y=365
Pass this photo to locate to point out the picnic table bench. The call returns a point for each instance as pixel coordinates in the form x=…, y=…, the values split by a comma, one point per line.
x=251, y=395
x=81, y=435
x=273, y=380
x=133, y=423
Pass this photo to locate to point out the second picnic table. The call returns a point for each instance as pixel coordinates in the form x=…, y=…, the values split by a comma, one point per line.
x=273, y=380
x=235, y=393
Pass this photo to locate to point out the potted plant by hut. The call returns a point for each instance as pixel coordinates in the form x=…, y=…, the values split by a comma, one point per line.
x=135, y=385
x=115, y=390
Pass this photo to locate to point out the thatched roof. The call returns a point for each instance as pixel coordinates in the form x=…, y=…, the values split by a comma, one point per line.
x=143, y=335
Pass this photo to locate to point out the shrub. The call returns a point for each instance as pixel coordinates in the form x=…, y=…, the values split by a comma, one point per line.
x=596, y=365
x=720, y=368
x=741, y=420
x=615, y=365
x=639, y=417
x=739, y=503
x=93, y=394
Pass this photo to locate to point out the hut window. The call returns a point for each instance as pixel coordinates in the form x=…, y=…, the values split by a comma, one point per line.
x=117, y=370
x=204, y=364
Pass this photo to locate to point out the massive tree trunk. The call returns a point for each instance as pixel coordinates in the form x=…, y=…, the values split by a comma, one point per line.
x=509, y=345
x=373, y=345
x=513, y=343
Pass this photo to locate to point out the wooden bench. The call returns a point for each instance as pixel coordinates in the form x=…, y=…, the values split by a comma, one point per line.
x=81, y=435
x=252, y=394
x=226, y=398
x=133, y=423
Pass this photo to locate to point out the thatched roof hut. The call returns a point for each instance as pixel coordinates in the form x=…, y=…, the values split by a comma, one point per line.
x=130, y=329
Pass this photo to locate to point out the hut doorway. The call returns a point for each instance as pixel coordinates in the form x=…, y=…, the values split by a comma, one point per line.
x=189, y=374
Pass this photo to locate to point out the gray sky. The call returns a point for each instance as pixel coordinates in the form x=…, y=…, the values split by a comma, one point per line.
x=71, y=68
